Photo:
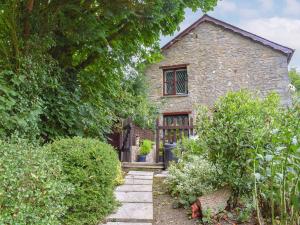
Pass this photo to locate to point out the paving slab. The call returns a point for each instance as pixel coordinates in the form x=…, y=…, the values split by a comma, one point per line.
x=145, y=197
x=161, y=175
x=137, y=181
x=140, y=177
x=141, y=173
x=133, y=212
x=134, y=188
x=124, y=223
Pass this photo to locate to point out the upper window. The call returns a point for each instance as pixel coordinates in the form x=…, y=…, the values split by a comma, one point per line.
x=175, y=81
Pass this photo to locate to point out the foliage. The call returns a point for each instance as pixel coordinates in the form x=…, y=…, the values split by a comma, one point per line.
x=277, y=172
x=32, y=185
x=92, y=167
x=254, y=144
x=146, y=147
x=295, y=78
x=238, y=125
x=40, y=105
x=190, y=178
x=120, y=175
x=73, y=68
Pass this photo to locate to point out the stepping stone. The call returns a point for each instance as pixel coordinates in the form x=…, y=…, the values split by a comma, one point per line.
x=137, y=181
x=124, y=223
x=134, y=188
x=141, y=173
x=133, y=212
x=163, y=174
x=140, y=177
x=144, y=197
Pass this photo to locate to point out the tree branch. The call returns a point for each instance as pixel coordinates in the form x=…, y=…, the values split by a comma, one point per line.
x=95, y=55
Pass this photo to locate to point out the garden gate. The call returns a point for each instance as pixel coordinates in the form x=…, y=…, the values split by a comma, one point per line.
x=126, y=141
x=172, y=133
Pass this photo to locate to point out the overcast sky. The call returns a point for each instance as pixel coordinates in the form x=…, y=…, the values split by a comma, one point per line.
x=276, y=20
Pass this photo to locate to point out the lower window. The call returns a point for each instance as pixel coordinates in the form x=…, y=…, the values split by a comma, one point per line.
x=176, y=120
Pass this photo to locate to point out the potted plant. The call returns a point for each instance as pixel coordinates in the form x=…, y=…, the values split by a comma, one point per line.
x=145, y=149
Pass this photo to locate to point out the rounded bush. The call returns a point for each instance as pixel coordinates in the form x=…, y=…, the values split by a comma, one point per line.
x=92, y=167
x=32, y=185
x=190, y=178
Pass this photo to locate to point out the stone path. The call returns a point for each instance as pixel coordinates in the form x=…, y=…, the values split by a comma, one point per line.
x=136, y=200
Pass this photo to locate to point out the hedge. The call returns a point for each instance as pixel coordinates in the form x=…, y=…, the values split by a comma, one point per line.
x=32, y=185
x=92, y=168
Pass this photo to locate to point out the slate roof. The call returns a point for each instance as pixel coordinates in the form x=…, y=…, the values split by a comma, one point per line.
x=206, y=18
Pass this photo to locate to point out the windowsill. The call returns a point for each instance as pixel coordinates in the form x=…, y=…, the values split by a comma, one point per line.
x=175, y=96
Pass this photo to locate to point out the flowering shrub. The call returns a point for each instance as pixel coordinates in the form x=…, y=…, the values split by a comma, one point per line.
x=190, y=178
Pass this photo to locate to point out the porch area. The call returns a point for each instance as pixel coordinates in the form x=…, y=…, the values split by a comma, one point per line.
x=131, y=138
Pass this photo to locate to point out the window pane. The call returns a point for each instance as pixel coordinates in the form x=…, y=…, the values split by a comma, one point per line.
x=169, y=88
x=181, y=82
x=169, y=85
x=169, y=76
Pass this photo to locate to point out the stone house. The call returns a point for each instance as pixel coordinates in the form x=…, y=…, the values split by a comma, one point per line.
x=210, y=58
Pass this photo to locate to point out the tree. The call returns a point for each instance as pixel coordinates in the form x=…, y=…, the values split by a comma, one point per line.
x=295, y=78
x=83, y=57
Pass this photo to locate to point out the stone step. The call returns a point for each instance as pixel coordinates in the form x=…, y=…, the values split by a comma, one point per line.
x=134, y=188
x=134, y=213
x=140, y=173
x=124, y=223
x=143, y=165
x=138, y=177
x=131, y=197
x=137, y=181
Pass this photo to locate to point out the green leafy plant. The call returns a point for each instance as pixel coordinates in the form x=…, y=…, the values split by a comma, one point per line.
x=32, y=185
x=276, y=171
x=231, y=133
x=146, y=147
x=92, y=167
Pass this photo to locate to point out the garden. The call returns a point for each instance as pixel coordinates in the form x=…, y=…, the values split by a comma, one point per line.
x=251, y=146
x=71, y=70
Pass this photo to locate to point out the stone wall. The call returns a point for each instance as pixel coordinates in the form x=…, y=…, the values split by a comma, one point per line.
x=219, y=61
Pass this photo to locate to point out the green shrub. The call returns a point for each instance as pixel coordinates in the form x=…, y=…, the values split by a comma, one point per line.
x=32, y=185
x=146, y=147
x=190, y=178
x=231, y=134
x=92, y=167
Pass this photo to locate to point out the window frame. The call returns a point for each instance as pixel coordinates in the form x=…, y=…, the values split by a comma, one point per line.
x=174, y=69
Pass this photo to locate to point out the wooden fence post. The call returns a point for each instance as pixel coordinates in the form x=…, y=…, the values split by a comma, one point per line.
x=192, y=126
x=157, y=141
x=130, y=139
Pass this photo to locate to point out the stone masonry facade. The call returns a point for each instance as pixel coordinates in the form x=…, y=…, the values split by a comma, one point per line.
x=219, y=60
